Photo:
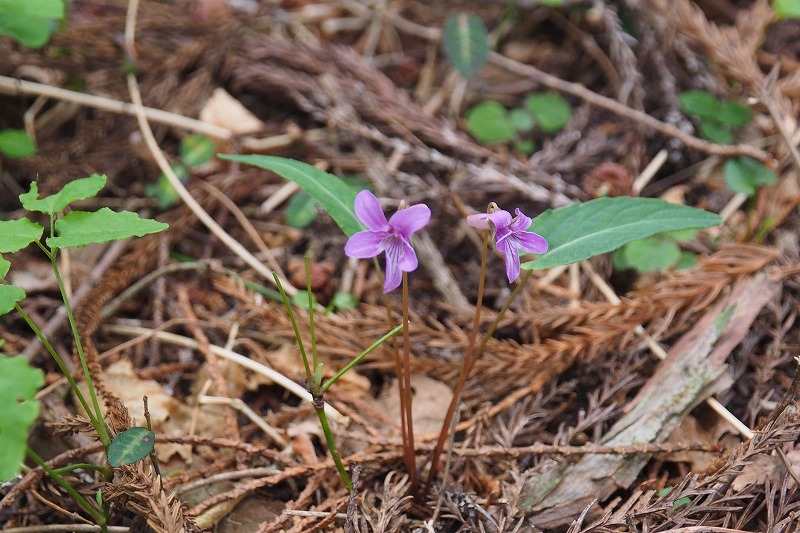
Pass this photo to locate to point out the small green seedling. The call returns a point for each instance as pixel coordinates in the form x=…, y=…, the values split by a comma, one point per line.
x=719, y=119
x=746, y=175
x=659, y=252
x=787, y=9
x=16, y=144
x=491, y=122
x=195, y=150
x=30, y=22
x=466, y=43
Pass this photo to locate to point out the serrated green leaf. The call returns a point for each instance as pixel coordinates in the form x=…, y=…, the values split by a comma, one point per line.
x=10, y=295
x=79, y=228
x=17, y=234
x=5, y=265
x=332, y=192
x=16, y=144
x=716, y=132
x=466, y=43
x=652, y=253
x=18, y=385
x=733, y=114
x=301, y=210
x=786, y=9
x=580, y=231
x=130, y=446
x=30, y=22
x=551, y=111
x=701, y=104
x=489, y=122
x=521, y=119
x=745, y=175
x=196, y=149
x=78, y=189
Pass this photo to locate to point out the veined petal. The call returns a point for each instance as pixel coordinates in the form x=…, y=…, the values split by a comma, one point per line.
x=365, y=244
x=521, y=221
x=531, y=242
x=511, y=256
x=393, y=275
x=414, y=218
x=502, y=237
x=498, y=219
x=368, y=210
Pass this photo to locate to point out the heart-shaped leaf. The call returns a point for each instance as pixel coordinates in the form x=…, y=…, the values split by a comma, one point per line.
x=580, y=231
x=131, y=445
x=18, y=385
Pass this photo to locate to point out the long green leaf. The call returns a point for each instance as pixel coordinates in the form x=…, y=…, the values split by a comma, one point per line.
x=80, y=228
x=580, y=231
x=335, y=196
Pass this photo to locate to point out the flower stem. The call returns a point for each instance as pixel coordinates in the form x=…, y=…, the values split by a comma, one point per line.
x=409, y=454
x=358, y=359
x=465, y=370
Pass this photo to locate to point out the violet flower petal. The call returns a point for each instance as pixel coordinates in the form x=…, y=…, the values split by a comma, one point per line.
x=409, y=220
x=393, y=275
x=365, y=244
x=531, y=242
x=499, y=219
x=511, y=257
x=368, y=210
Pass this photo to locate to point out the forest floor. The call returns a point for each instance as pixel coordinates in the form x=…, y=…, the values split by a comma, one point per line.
x=362, y=88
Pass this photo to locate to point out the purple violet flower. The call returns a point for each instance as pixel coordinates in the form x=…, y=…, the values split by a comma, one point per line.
x=511, y=237
x=390, y=236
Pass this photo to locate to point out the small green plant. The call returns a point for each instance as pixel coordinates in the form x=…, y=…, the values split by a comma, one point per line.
x=745, y=175
x=466, y=43
x=16, y=144
x=659, y=252
x=30, y=22
x=718, y=119
x=75, y=229
x=787, y=9
x=491, y=122
x=195, y=150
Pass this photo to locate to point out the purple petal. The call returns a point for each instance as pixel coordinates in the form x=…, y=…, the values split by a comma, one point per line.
x=512, y=263
x=502, y=238
x=368, y=210
x=393, y=276
x=531, y=242
x=414, y=218
x=499, y=219
x=521, y=221
x=400, y=251
x=365, y=244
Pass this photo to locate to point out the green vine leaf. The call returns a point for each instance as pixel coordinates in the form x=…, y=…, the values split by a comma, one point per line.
x=79, y=228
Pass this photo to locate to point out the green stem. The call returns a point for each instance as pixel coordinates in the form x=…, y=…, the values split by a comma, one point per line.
x=102, y=429
x=319, y=407
x=297, y=336
x=85, y=466
x=358, y=359
x=57, y=358
x=311, y=306
x=97, y=515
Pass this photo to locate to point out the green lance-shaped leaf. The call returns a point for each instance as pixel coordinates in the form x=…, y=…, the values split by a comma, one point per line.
x=79, y=228
x=580, y=231
x=131, y=445
x=466, y=43
x=9, y=296
x=16, y=144
x=17, y=234
x=78, y=189
x=333, y=193
x=18, y=385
